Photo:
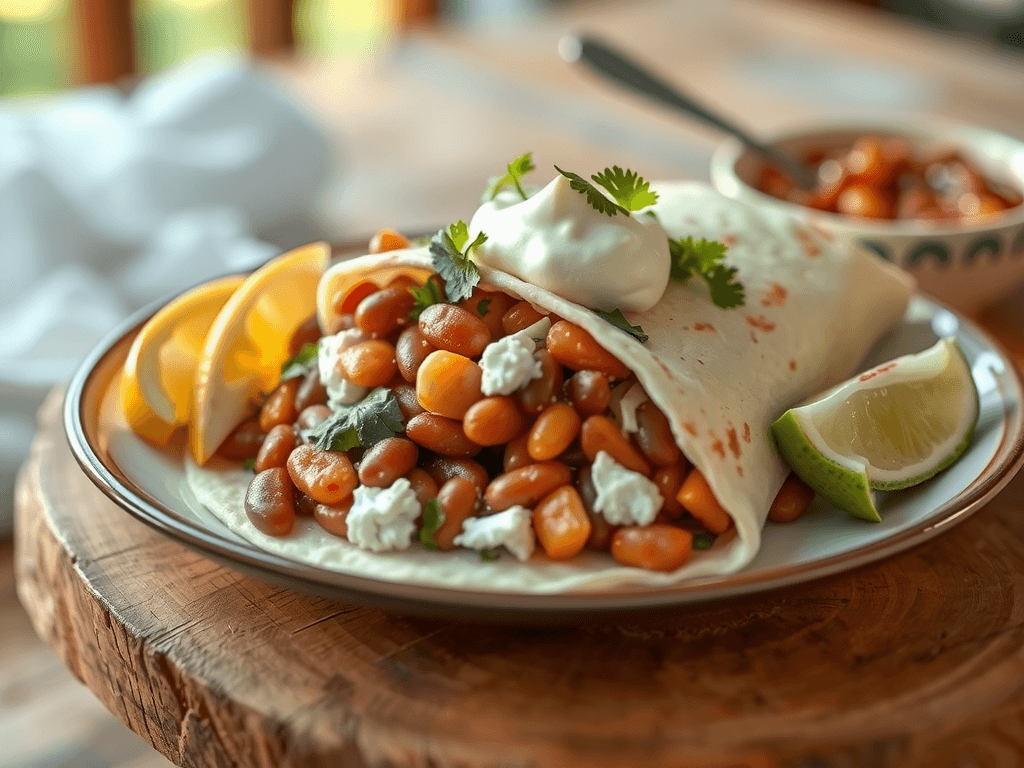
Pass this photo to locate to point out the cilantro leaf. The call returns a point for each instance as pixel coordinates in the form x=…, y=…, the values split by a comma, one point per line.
x=489, y=555
x=433, y=519
x=595, y=197
x=616, y=318
x=450, y=257
x=703, y=540
x=518, y=168
x=483, y=307
x=374, y=418
x=704, y=258
x=424, y=297
x=250, y=463
x=627, y=187
x=301, y=364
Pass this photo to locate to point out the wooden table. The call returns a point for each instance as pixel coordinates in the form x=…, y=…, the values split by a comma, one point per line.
x=918, y=661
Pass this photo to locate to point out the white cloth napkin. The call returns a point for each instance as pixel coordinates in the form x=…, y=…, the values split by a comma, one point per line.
x=108, y=202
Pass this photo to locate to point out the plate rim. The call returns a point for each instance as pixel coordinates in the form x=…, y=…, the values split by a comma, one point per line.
x=490, y=605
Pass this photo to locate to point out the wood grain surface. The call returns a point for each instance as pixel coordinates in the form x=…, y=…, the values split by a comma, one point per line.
x=916, y=662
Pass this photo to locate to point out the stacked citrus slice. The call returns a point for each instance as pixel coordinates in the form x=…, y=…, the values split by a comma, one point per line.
x=204, y=360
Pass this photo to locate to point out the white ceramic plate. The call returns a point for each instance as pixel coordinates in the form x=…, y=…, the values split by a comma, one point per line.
x=150, y=484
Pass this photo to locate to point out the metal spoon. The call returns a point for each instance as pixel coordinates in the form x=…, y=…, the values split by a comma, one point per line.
x=619, y=69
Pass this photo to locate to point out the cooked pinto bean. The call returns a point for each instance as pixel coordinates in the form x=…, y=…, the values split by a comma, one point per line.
x=527, y=485
x=541, y=392
x=369, y=363
x=448, y=384
x=388, y=240
x=561, y=523
x=520, y=316
x=280, y=406
x=573, y=456
x=655, y=547
x=270, y=502
x=444, y=469
x=411, y=349
x=423, y=485
x=311, y=391
x=494, y=420
x=308, y=332
x=669, y=480
x=599, y=433
x=517, y=453
x=387, y=461
x=792, y=500
x=405, y=394
x=441, y=435
x=574, y=348
x=654, y=435
x=697, y=498
x=601, y=531
x=381, y=312
x=458, y=498
x=334, y=518
x=489, y=306
x=326, y=476
x=589, y=392
x=553, y=432
x=276, y=449
x=244, y=441
x=312, y=416
x=452, y=328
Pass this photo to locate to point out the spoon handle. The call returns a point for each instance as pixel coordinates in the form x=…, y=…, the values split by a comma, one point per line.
x=618, y=68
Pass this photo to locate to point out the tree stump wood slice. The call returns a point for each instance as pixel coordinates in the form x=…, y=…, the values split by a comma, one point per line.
x=918, y=661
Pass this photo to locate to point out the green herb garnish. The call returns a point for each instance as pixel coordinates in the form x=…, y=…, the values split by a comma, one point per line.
x=250, y=463
x=424, y=297
x=433, y=519
x=627, y=187
x=616, y=318
x=489, y=555
x=450, y=257
x=483, y=307
x=515, y=171
x=704, y=258
x=703, y=540
x=595, y=197
x=301, y=364
x=374, y=418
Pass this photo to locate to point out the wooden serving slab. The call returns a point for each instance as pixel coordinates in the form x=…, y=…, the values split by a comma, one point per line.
x=918, y=661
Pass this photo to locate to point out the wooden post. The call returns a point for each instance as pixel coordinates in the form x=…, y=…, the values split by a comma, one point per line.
x=105, y=40
x=272, y=26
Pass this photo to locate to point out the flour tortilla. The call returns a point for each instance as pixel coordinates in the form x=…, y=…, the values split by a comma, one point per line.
x=721, y=377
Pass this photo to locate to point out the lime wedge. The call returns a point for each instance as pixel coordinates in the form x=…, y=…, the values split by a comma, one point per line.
x=888, y=428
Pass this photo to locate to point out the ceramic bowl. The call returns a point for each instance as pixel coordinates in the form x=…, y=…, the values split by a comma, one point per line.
x=966, y=266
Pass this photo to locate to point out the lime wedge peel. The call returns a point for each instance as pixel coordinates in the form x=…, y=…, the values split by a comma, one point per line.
x=889, y=428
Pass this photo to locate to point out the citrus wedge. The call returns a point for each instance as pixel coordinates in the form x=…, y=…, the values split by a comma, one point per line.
x=156, y=384
x=889, y=428
x=248, y=343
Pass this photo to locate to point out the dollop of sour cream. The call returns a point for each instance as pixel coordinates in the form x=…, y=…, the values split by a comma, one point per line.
x=558, y=241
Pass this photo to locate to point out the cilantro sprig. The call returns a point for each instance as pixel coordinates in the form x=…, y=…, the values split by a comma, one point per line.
x=515, y=171
x=616, y=318
x=301, y=364
x=424, y=297
x=703, y=540
x=704, y=258
x=374, y=418
x=433, y=519
x=450, y=257
x=629, y=191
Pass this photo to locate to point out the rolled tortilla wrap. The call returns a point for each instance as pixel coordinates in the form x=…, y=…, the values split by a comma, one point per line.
x=721, y=376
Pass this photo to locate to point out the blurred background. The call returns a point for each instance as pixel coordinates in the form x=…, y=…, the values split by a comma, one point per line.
x=142, y=150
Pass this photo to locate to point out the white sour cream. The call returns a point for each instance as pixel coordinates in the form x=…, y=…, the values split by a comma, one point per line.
x=558, y=241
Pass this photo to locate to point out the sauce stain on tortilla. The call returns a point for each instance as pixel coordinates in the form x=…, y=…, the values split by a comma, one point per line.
x=761, y=323
x=704, y=327
x=734, y=441
x=717, y=445
x=775, y=296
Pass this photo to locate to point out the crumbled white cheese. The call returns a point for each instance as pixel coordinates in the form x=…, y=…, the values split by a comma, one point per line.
x=509, y=364
x=383, y=518
x=624, y=497
x=624, y=407
x=512, y=529
x=340, y=391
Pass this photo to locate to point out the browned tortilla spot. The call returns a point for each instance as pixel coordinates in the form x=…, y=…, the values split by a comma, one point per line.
x=761, y=322
x=691, y=428
x=703, y=327
x=717, y=445
x=734, y=441
x=739, y=470
x=775, y=296
x=792, y=365
x=746, y=432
